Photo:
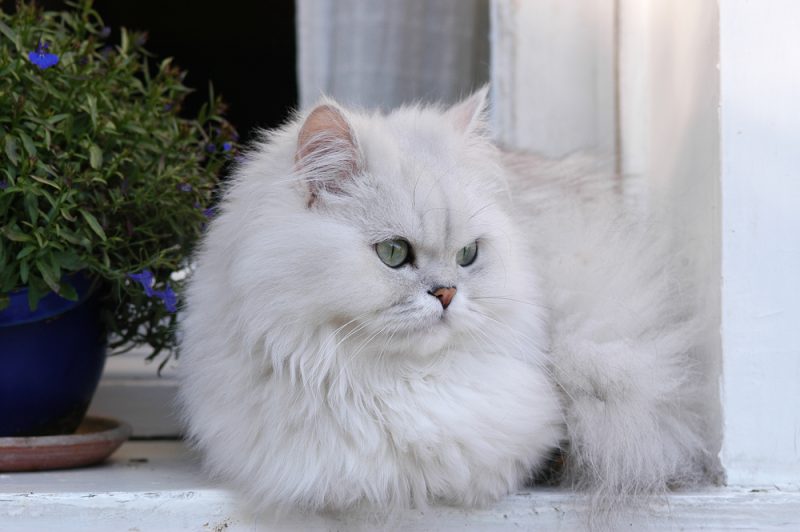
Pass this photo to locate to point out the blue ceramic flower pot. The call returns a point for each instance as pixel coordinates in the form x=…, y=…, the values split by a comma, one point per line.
x=50, y=361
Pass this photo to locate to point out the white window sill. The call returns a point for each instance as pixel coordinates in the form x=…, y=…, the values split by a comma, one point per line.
x=157, y=485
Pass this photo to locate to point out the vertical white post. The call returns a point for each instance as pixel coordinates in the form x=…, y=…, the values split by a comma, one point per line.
x=760, y=127
x=669, y=94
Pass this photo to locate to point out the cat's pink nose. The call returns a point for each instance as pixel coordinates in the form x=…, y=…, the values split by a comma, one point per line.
x=444, y=294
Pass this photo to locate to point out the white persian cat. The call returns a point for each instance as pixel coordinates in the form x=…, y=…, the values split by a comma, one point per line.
x=388, y=311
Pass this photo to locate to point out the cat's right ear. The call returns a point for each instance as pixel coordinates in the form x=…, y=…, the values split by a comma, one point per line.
x=469, y=115
x=327, y=151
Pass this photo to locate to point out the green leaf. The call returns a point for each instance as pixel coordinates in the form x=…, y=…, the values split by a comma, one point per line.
x=11, y=150
x=68, y=260
x=35, y=293
x=5, y=301
x=124, y=41
x=8, y=32
x=47, y=182
x=67, y=291
x=49, y=276
x=27, y=250
x=91, y=99
x=65, y=213
x=95, y=156
x=92, y=221
x=32, y=206
x=12, y=233
x=24, y=268
x=55, y=119
x=28, y=143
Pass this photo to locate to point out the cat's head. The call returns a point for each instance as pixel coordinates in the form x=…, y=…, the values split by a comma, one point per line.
x=392, y=227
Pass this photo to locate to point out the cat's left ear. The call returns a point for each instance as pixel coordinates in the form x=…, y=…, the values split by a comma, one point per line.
x=327, y=151
x=469, y=115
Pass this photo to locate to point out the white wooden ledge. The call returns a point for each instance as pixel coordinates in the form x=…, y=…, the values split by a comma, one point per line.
x=155, y=486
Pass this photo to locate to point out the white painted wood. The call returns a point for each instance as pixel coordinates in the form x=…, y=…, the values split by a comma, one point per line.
x=760, y=125
x=634, y=26
x=552, y=75
x=156, y=486
x=669, y=130
x=132, y=391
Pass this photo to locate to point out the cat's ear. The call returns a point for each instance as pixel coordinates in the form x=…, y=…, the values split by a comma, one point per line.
x=327, y=151
x=469, y=115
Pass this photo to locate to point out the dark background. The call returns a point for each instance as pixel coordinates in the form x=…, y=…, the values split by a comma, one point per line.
x=246, y=48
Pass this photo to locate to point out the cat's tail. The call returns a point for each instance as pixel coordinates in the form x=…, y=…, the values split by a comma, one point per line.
x=629, y=349
x=628, y=332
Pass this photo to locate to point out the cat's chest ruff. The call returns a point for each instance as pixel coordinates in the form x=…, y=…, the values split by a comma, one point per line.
x=464, y=403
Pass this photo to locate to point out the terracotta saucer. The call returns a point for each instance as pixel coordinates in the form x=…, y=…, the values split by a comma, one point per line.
x=93, y=442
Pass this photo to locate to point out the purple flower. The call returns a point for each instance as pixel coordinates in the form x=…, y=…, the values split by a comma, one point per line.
x=210, y=147
x=146, y=279
x=209, y=212
x=105, y=32
x=3, y=184
x=41, y=58
x=184, y=187
x=168, y=107
x=169, y=298
x=226, y=146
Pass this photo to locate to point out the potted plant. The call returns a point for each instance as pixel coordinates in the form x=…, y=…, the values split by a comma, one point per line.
x=104, y=189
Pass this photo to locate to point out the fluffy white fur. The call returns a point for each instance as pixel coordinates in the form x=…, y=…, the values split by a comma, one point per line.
x=315, y=377
x=626, y=329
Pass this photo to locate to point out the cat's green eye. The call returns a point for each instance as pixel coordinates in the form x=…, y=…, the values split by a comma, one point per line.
x=394, y=253
x=467, y=254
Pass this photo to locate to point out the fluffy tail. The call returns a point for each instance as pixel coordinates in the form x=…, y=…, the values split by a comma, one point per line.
x=627, y=335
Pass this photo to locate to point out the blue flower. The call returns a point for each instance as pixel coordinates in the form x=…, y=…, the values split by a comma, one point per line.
x=41, y=58
x=169, y=298
x=168, y=107
x=209, y=212
x=210, y=147
x=146, y=279
x=226, y=146
x=185, y=187
x=3, y=184
x=105, y=32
